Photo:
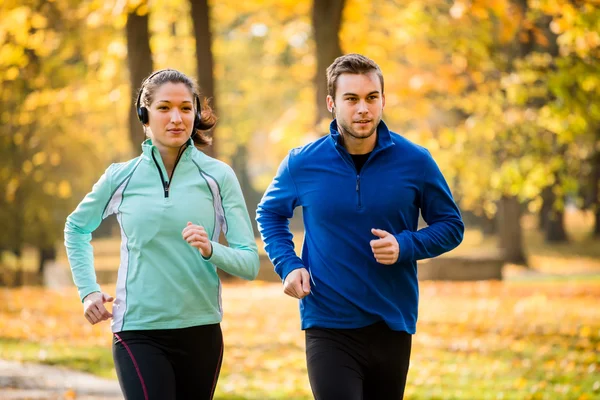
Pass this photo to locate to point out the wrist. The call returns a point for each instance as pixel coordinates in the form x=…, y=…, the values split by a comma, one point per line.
x=89, y=294
x=210, y=252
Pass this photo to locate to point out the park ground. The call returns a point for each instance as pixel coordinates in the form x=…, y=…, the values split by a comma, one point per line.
x=534, y=335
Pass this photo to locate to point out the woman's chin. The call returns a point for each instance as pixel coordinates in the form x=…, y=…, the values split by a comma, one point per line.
x=178, y=140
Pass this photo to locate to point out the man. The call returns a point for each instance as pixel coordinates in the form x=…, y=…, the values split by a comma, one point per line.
x=361, y=189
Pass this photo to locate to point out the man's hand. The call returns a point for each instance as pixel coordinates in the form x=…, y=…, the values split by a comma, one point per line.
x=93, y=307
x=196, y=236
x=297, y=283
x=385, y=249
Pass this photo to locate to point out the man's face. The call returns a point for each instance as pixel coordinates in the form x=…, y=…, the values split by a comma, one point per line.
x=358, y=104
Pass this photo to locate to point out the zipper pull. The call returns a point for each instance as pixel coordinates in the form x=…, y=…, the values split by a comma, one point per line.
x=357, y=183
x=166, y=189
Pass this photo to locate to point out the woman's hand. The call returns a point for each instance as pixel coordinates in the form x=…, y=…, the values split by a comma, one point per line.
x=93, y=307
x=196, y=236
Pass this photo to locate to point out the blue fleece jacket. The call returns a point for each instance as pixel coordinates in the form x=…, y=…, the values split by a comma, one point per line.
x=349, y=288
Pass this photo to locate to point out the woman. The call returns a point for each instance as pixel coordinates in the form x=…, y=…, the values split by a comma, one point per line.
x=172, y=202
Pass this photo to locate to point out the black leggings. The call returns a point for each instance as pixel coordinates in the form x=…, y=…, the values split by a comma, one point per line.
x=369, y=363
x=169, y=364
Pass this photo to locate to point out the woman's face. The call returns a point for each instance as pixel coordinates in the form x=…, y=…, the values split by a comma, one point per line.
x=171, y=116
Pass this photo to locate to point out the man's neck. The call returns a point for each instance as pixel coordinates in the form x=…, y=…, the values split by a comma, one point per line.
x=358, y=146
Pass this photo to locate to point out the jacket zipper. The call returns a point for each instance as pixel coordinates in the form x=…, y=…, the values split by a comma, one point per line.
x=167, y=184
x=358, y=188
x=351, y=164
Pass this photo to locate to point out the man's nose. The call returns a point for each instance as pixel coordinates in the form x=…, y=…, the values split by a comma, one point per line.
x=362, y=107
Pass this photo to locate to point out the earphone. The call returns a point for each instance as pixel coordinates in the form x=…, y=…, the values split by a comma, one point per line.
x=142, y=112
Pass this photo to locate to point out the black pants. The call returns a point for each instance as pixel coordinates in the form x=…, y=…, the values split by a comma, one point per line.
x=369, y=363
x=169, y=364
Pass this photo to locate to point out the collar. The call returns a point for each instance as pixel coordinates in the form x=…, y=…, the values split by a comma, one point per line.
x=384, y=137
x=148, y=149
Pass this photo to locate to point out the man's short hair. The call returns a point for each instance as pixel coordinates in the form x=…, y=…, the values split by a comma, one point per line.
x=350, y=64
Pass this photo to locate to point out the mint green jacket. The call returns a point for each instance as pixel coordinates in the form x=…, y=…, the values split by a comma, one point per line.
x=163, y=282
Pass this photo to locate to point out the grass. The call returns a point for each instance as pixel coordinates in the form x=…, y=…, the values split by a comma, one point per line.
x=92, y=359
x=535, y=335
x=478, y=340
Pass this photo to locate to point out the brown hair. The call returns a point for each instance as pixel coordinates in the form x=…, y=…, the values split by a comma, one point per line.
x=350, y=64
x=207, y=118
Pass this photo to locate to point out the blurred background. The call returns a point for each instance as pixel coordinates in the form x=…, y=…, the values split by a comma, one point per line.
x=504, y=93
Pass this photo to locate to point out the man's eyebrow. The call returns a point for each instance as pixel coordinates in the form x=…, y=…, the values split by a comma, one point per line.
x=354, y=94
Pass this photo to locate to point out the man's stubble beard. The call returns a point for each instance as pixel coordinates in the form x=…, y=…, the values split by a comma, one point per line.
x=346, y=131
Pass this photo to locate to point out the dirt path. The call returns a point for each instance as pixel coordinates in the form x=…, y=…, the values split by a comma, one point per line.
x=41, y=382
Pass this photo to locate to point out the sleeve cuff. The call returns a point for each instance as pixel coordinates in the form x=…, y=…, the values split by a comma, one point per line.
x=86, y=291
x=285, y=271
x=218, y=255
x=406, y=248
x=212, y=252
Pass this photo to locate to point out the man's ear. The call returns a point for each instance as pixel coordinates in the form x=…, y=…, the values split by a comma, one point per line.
x=330, y=103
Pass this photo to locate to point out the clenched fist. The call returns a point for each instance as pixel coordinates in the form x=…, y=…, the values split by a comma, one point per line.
x=385, y=249
x=197, y=237
x=297, y=283
x=94, y=309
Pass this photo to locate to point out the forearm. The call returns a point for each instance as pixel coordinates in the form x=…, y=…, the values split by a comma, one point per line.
x=78, y=234
x=445, y=226
x=279, y=243
x=432, y=241
x=242, y=262
x=81, y=259
x=273, y=215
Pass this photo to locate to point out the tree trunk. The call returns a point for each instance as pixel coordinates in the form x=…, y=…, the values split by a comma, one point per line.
x=204, y=58
x=139, y=61
x=19, y=273
x=489, y=226
x=555, y=227
x=46, y=254
x=326, y=20
x=251, y=196
x=551, y=218
x=510, y=231
x=18, y=233
x=544, y=214
x=594, y=199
